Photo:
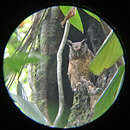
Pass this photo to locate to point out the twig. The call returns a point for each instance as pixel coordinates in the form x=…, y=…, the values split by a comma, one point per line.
x=59, y=74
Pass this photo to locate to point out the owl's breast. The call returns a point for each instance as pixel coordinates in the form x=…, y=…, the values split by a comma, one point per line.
x=83, y=67
x=80, y=67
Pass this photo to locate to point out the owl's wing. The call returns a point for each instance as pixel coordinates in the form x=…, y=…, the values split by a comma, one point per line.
x=69, y=72
x=91, y=54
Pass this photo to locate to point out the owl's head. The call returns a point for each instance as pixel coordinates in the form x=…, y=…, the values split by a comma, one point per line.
x=76, y=46
x=78, y=49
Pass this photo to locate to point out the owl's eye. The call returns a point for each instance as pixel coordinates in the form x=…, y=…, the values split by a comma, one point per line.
x=76, y=48
x=82, y=45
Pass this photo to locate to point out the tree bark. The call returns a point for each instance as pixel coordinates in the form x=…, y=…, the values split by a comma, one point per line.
x=80, y=111
x=44, y=90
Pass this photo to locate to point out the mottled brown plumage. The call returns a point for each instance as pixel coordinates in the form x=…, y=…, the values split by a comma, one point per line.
x=80, y=57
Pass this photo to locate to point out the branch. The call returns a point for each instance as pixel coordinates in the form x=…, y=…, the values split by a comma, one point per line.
x=59, y=74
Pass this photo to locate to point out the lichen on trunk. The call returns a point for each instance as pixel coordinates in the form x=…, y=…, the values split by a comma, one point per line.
x=80, y=111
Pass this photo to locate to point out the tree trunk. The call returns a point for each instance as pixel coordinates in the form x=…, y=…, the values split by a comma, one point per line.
x=44, y=89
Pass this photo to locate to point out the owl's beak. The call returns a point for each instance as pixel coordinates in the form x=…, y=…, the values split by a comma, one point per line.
x=76, y=48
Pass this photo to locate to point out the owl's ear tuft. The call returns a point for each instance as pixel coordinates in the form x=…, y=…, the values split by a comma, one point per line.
x=84, y=41
x=69, y=42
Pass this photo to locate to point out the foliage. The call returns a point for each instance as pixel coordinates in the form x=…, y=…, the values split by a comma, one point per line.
x=14, y=64
x=109, y=53
x=13, y=43
x=110, y=94
x=76, y=20
x=17, y=36
x=29, y=109
x=24, y=25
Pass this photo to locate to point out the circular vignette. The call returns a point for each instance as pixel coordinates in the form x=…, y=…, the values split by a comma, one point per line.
x=97, y=50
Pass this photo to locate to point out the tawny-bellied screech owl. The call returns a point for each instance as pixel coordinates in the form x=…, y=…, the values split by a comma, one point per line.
x=80, y=57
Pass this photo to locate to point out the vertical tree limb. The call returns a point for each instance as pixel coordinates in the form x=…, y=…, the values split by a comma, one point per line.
x=59, y=74
x=44, y=89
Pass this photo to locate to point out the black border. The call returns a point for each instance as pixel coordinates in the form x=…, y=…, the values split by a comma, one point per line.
x=12, y=13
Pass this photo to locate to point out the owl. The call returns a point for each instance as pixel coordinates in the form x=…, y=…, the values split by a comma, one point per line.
x=80, y=57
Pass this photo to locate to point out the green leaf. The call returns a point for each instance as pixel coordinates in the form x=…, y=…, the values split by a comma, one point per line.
x=92, y=15
x=10, y=48
x=13, y=64
x=110, y=93
x=29, y=109
x=13, y=43
x=75, y=20
x=108, y=54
